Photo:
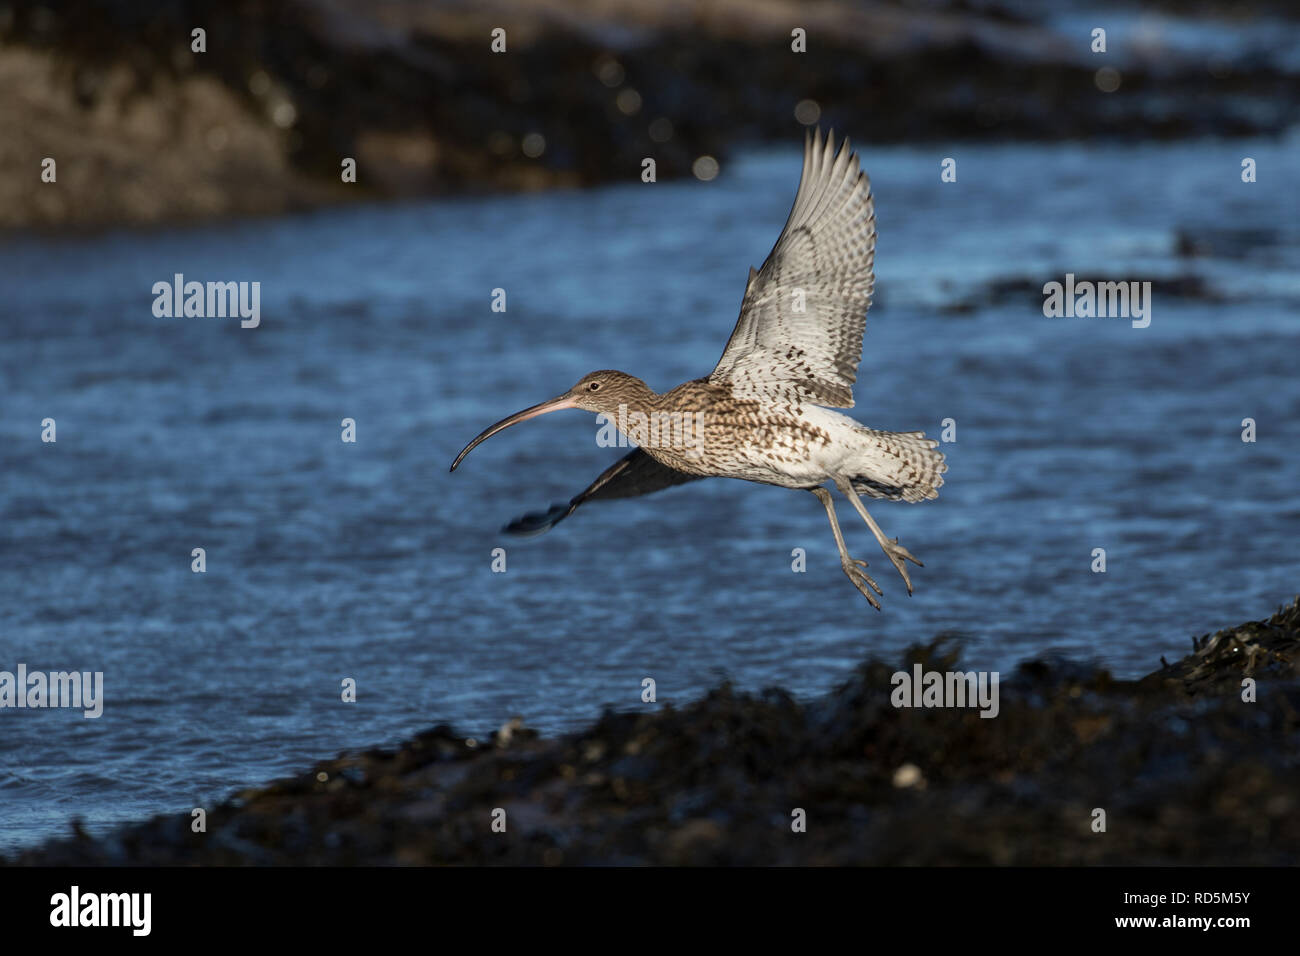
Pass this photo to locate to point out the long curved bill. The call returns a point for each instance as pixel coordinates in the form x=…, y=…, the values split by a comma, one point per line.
x=554, y=405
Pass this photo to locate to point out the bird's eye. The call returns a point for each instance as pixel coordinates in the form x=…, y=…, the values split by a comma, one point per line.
x=593, y=386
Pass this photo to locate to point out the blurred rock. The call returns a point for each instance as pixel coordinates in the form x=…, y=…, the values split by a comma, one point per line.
x=145, y=130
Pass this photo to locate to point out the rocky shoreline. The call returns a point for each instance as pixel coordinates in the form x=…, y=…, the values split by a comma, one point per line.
x=1186, y=770
x=146, y=131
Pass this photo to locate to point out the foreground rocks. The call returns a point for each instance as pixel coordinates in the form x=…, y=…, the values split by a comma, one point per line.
x=146, y=130
x=1185, y=770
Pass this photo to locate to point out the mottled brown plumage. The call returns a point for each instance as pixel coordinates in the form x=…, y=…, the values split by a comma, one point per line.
x=765, y=412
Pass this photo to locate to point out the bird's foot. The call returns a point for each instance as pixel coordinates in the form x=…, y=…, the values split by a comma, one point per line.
x=861, y=580
x=899, y=556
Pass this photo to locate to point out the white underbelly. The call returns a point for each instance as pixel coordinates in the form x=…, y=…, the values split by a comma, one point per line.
x=787, y=458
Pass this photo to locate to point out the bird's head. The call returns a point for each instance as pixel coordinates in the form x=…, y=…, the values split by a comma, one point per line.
x=602, y=391
x=606, y=390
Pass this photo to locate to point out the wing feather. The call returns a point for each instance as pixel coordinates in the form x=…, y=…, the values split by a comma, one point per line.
x=632, y=475
x=799, y=335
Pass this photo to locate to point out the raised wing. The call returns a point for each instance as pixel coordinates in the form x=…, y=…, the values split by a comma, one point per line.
x=632, y=475
x=799, y=335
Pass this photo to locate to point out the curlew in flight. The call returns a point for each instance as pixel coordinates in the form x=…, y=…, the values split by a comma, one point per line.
x=764, y=414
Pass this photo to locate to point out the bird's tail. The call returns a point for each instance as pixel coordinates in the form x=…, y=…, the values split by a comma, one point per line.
x=904, y=466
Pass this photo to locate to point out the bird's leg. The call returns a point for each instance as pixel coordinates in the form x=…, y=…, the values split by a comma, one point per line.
x=896, y=553
x=852, y=567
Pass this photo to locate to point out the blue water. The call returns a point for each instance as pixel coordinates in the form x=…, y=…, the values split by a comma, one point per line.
x=328, y=560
